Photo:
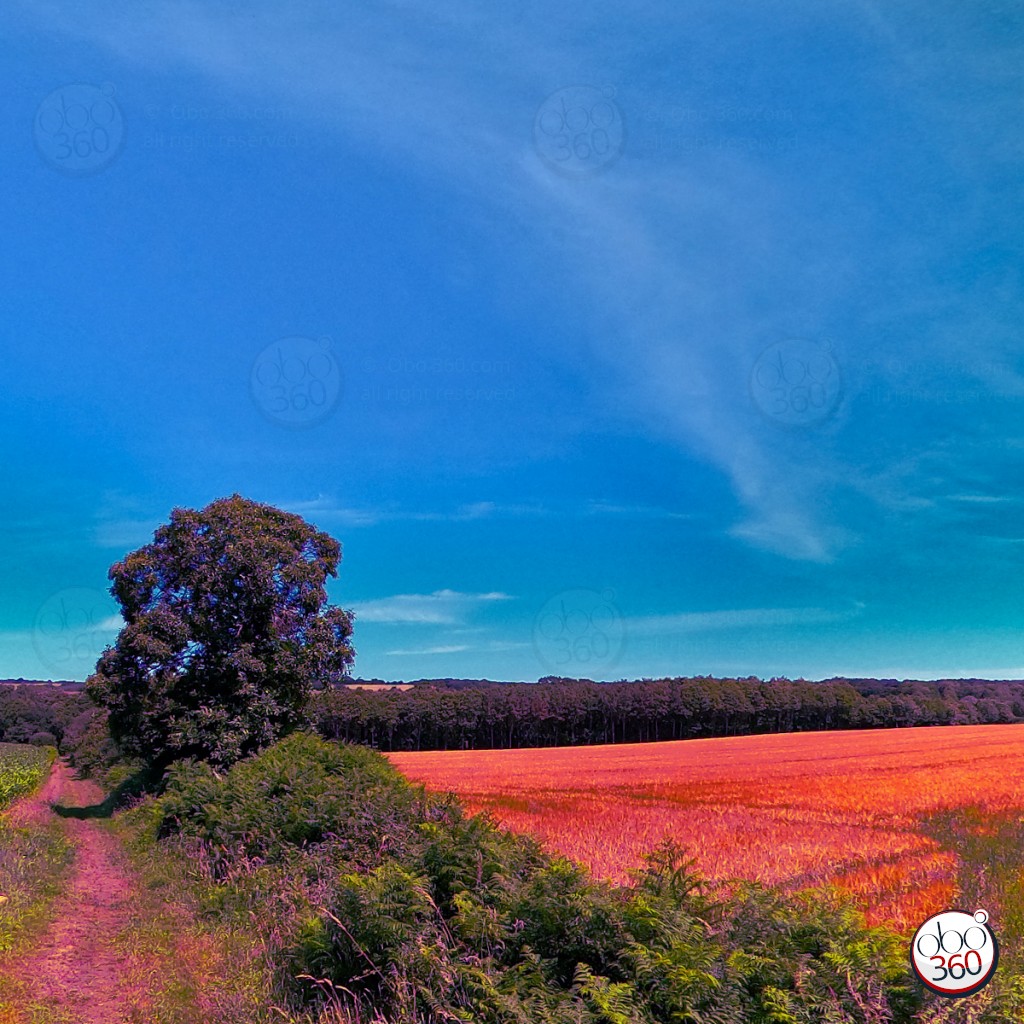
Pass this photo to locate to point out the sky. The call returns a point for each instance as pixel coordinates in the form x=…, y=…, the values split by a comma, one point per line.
x=609, y=340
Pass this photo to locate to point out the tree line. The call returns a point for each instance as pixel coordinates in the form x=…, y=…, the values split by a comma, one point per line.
x=565, y=712
x=460, y=714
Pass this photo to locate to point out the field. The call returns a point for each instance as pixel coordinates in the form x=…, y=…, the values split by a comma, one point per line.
x=378, y=687
x=22, y=768
x=906, y=819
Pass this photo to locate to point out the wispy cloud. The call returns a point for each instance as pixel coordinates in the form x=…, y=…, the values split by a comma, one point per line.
x=490, y=647
x=608, y=508
x=737, y=618
x=403, y=86
x=123, y=522
x=442, y=607
x=984, y=499
x=10, y=637
x=954, y=671
x=439, y=649
x=325, y=509
x=106, y=626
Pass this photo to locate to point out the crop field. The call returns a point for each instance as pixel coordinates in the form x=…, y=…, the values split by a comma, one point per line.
x=905, y=819
x=22, y=768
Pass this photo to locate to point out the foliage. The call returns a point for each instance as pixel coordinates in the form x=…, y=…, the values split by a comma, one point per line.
x=226, y=631
x=298, y=794
x=88, y=743
x=378, y=902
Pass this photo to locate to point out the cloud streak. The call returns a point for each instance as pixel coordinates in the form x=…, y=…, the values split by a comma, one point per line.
x=738, y=618
x=440, y=608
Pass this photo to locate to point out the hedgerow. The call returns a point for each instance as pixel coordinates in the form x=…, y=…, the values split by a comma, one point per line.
x=378, y=902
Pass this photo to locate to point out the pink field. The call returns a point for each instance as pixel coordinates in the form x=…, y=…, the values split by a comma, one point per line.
x=793, y=810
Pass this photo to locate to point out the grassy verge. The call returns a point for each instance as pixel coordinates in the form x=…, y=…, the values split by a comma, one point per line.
x=35, y=860
x=989, y=846
x=195, y=961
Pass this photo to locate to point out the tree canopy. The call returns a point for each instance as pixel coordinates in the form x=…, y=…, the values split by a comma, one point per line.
x=227, y=631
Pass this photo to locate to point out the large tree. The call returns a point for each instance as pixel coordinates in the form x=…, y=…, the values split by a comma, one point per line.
x=227, y=630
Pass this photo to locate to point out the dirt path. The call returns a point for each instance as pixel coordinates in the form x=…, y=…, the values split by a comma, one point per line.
x=76, y=967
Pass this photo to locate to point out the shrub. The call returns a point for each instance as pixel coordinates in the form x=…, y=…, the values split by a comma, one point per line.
x=301, y=793
x=88, y=743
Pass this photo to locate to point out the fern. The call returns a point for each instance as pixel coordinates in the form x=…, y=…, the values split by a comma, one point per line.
x=778, y=1006
x=610, y=1003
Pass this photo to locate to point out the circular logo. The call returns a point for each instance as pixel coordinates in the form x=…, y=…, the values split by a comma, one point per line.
x=71, y=629
x=296, y=382
x=955, y=953
x=79, y=129
x=796, y=382
x=579, y=131
x=579, y=631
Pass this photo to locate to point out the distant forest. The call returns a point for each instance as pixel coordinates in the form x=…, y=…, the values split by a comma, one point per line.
x=463, y=715
x=475, y=714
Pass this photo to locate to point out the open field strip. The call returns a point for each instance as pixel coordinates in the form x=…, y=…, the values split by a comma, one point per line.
x=861, y=809
x=22, y=768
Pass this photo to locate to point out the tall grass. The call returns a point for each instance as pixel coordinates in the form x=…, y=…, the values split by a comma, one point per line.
x=187, y=961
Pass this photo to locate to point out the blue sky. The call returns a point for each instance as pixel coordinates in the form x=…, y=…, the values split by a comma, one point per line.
x=609, y=340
